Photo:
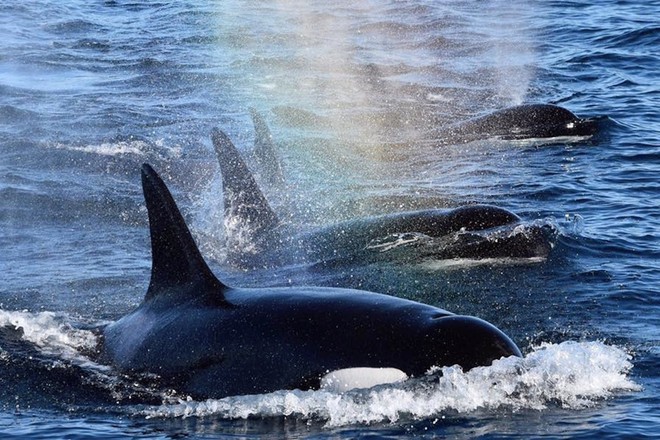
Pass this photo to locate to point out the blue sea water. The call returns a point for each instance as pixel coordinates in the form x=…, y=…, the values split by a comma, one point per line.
x=91, y=90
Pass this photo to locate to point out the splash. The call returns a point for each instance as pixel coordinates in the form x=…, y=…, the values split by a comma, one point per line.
x=570, y=375
x=50, y=332
x=64, y=354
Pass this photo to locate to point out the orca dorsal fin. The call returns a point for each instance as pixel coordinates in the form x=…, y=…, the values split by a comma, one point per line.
x=177, y=265
x=265, y=151
x=243, y=199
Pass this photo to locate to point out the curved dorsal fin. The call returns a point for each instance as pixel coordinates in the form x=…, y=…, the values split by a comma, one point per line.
x=265, y=151
x=242, y=197
x=177, y=266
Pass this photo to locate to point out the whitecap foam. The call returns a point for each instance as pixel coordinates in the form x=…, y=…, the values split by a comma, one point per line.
x=54, y=336
x=135, y=147
x=571, y=375
x=50, y=332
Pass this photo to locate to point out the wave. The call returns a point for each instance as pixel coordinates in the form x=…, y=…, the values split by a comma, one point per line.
x=570, y=375
x=120, y=147
x=50, y=332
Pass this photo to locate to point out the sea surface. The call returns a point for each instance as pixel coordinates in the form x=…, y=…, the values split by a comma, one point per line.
x=352, y=92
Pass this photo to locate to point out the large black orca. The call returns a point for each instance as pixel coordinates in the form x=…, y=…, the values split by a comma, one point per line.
x=473, y=232
x=208, y=340
x=528, y=121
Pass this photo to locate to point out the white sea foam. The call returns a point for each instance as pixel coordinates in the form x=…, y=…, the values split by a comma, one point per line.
x=50, y=332
x=62, y=344
x=239, y=232
x=54, y=336
x=135, y=147
x=572, y=375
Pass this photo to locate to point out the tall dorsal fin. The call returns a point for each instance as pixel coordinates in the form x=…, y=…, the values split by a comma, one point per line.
x=265, y=151
x=176, y=260
x=242, y=197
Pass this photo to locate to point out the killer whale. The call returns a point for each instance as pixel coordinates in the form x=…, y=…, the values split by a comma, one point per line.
x=208, y=340
x=527, y=121
x=265, y=153
x=470, y=232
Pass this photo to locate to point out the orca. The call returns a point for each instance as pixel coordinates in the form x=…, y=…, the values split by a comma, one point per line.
x=208, y=340
x=528, y=121
x=476, y=232
x=265, y=152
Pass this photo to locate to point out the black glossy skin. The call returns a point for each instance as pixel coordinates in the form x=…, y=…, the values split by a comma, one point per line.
x=209, y=340
x=431, y=222
x=529, y=121
x=287, y=338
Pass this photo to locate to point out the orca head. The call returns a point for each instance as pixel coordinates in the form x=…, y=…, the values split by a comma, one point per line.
x=480, y=217
x=548, y=120
x=466, y=341
x=528, y=121
x=583, y=127
x=558, y=121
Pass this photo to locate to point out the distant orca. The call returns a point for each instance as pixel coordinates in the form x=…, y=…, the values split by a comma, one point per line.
x=471, y=232
x=209, y=340
x=265, y=154
x=529, y=121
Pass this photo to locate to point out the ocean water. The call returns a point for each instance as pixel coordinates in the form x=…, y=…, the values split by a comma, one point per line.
x=352, y=94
